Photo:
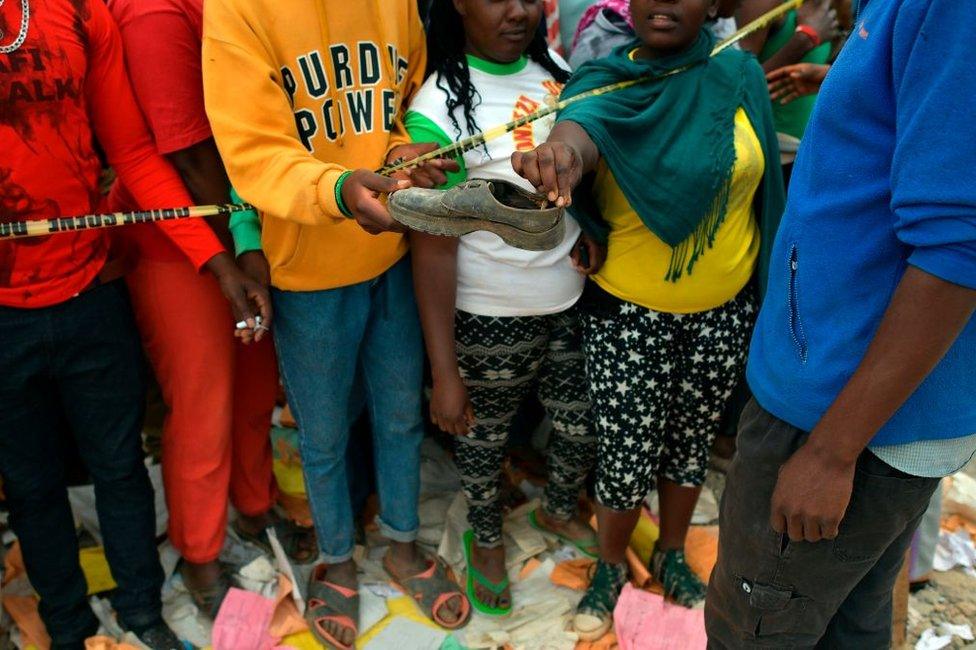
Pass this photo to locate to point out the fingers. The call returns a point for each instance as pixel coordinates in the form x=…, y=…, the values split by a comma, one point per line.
x=779, y=74
x=794, y=527
x=575, y=256
x=454, y=425
x=566, y=169
x=382, y=184
x=427, y=175
x=526, y=165
x=786, y=99
x=777, y=521
x=375, y=218
x=830, y=529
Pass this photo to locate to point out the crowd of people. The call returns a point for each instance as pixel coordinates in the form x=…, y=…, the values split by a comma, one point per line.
x=826, y=335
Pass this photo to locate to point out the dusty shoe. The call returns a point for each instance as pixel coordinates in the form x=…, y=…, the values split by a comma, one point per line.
x=520, y=218
x=594, y=614
x=680, y=583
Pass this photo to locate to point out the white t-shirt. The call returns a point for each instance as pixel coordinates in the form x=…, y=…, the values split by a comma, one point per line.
x=495, y=279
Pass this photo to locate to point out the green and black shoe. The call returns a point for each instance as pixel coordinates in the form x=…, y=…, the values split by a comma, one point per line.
x=681, y=584
x=594, y=614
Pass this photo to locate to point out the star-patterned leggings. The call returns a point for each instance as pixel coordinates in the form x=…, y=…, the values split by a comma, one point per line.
x=659, y=382
x=502, y=360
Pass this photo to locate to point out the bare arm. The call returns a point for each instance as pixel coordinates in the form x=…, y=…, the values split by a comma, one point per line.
x=435, y=283
x=203, y=174
x=924, y=318
x=814, y=13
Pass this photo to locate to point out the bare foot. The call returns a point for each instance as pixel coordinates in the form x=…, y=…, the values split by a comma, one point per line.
x=491, y=563
x=344, y=575
x=254, y=525
x=575, y=529
x=299, y=542
x=405, y=560
x=200, y=577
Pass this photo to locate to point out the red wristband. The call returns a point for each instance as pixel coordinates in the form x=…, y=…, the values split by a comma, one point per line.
x=812, y=33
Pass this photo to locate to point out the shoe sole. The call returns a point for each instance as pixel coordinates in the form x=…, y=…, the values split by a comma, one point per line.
x=459, y=226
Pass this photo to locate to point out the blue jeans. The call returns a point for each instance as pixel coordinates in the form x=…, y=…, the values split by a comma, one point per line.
x=338, y=349
x=76, y=369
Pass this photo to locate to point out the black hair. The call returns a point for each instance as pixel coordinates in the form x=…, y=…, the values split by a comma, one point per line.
x=445, y=58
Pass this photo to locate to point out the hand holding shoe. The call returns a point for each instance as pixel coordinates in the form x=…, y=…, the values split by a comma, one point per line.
x=554, y=168
x=361, y=192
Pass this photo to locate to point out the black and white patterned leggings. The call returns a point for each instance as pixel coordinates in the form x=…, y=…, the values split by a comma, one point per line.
x=659, y=382
x=501, y=361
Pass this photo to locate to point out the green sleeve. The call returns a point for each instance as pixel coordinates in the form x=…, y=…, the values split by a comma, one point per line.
x=245, y=227
x=422, y=129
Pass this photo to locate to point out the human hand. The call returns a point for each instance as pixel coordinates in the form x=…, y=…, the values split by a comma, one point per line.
x=793, y=81
x=588, y=256
x=450, y=408
x=429, y=174
x=554, y=168
x=361, y=192
x=249, y=300
x=819, y=15
x=811, y=495
x=255, y=266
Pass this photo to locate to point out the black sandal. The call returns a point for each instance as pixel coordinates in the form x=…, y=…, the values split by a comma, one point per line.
x=594, y=614
x=681, y=584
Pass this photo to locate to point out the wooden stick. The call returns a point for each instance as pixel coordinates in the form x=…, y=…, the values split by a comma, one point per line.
x=38, y=228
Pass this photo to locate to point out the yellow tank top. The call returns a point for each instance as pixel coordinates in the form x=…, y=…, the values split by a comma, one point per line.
x=637, y=260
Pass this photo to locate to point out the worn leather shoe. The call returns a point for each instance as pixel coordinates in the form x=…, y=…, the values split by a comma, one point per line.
x=520, y=218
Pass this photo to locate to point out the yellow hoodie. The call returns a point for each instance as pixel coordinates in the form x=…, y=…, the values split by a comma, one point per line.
x=298, y=92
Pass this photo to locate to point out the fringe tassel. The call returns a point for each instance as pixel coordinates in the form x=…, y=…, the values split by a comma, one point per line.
x=685, y=254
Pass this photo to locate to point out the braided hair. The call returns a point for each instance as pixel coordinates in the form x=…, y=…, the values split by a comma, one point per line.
x=446, y=59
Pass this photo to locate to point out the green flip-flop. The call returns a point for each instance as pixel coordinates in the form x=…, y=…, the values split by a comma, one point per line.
x=580, y=544
x=473, y=575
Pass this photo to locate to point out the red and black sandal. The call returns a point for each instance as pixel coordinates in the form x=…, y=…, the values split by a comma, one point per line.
x=431, y=589
x=331, y=603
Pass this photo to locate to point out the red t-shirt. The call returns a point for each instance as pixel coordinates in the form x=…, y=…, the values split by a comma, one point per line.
x=62, y=89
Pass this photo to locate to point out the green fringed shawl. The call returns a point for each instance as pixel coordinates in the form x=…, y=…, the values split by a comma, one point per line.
x=670, y=143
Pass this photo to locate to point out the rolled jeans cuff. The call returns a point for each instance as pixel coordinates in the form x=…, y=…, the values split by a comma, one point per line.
x=395, y=535
x=336, y=559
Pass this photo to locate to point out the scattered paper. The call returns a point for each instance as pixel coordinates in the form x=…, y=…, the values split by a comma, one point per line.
x=372, y=610
x=964, y=631
x=95, y=567
x=933, y=639
x=955, y=549
x=644, y=621
x=243, y=622
x=404, y=633
x=930, y=640
x=281, y=559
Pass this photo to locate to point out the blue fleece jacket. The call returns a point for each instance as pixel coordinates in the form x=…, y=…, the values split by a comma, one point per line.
x=885, y=178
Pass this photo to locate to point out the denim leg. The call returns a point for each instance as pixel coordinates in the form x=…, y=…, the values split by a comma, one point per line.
x=101, y=384
x=319, y=335
x=32, y=467
x=392, y=363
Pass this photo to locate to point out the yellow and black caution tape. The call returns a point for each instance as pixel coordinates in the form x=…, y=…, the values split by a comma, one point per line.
x=21, y=229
